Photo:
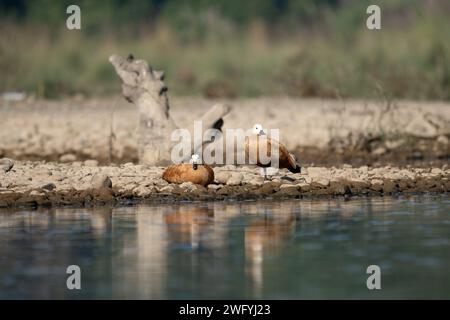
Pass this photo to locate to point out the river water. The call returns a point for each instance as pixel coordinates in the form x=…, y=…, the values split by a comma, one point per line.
x=297, y=249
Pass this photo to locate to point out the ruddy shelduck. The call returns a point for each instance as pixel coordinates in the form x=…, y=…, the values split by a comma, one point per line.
x=193, y=171
x=258, y=138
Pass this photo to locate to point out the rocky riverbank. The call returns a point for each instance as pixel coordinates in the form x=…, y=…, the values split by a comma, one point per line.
x=31, y=183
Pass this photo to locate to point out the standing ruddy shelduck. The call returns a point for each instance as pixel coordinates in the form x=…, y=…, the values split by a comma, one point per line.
x=253, y=143
x=189, y=172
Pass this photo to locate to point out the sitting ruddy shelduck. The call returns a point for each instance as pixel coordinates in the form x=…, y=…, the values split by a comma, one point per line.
x=257, y=140
x=189, y=172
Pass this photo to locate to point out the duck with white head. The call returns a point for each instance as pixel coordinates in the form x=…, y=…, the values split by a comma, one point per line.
x=194, y=172
x=195, y=160
x=260, y=140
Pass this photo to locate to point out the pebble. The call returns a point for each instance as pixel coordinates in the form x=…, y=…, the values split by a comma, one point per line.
x=379, y=151
x=376, y=184
x=6, y=164
x=36, y=193
x=364, y=169
x=288, y=190
x=317, y=171
x=235, y=179
x=167, y=189
x=188, y=186
x=320, y=182
x=256, y=181
x=222, y=177
x=304, y=187
x=143, y=192
x=100, y=181
x=443, y=140
x=91, y=163
x=128, y=164
x=437, y=171
x=68, y=157
x=49, y=186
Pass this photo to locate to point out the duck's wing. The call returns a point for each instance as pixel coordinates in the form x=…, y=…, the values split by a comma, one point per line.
x=284, y=156
x=169, y=173
x=210, y=173
x=174, y=172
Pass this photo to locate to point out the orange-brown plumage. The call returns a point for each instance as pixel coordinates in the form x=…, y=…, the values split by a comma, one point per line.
x=185, y=172
x=285, y=159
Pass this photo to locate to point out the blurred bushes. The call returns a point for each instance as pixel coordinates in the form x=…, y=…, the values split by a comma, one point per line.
x=231, y=48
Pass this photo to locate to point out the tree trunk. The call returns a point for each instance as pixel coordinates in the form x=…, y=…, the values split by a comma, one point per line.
x=145, y=87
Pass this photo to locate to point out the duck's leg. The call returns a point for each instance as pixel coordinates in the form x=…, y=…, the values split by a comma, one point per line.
x=265, y=173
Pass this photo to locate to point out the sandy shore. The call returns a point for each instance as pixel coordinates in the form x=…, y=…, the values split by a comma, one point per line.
x=26, y=183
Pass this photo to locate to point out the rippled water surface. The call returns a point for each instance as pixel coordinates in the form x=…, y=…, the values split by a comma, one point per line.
x=264, y=249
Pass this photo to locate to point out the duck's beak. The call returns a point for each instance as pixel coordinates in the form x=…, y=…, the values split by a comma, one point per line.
x=261, y=132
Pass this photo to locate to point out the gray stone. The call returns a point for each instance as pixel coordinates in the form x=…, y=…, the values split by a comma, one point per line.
x=339, y=187
x=91, y=163
x=188, y=186
x=379, y=151
x=222, y=177
x=68, y=157
x=128, y=164
x=376, y=184
x=443, y=140
x=256, y=181
x=320, y=182
x=100, y=181
x=364, y=169
x=49, y=186
x=77, y=164
x=235, y=179
x=215, y=186
x=288, y=190
x=318, y=171
x=143, y=192
x=307, y=179
x=167, y=189
x=59, y=177
x=304, y=187
x=129, y=187
x=6, y=164
x=36, y=193
x=389, y=186
x=437, y=171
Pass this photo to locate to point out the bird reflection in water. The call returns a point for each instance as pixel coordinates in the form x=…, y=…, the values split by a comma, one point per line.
x=265, y=231
x=266, y=236
x=189, y=225
x=216, y=250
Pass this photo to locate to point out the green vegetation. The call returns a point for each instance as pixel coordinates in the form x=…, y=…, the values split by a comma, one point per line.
x=231, y=48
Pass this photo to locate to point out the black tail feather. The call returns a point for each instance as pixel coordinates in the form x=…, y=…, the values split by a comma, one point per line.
x=297, y=169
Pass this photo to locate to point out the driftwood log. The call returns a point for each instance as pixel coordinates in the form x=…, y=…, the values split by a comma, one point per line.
x=145, y=87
